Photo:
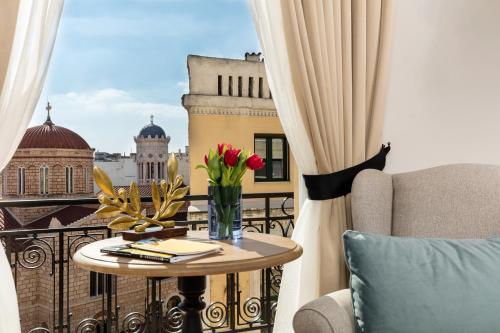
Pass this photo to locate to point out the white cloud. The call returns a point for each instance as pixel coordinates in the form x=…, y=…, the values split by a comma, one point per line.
x=184, y=86
x=113, y=102
x=109, y=119
x=131, y=27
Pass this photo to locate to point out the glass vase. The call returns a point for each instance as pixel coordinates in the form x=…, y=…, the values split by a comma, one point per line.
x=224, y=212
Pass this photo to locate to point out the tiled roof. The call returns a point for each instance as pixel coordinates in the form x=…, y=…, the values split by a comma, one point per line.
x=49, y=135
x=65, y=216
x=8, y=221
x=144, y=190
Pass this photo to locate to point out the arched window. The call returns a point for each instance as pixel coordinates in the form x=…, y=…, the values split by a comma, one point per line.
x=152, y=170
x=44, y=180
x=160, y=175
x=86, y=179
x=21, y=184
x=148, y=171
x=69, y=179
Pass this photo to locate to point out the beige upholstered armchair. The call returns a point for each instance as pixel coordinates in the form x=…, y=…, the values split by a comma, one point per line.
x=452, y=201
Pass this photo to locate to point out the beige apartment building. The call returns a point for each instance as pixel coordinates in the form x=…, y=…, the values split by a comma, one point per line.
x=229, y=101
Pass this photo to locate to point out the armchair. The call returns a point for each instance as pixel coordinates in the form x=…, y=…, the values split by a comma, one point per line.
x=452, y=201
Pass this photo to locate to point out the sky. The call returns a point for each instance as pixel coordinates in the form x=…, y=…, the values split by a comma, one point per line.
x=116, y=62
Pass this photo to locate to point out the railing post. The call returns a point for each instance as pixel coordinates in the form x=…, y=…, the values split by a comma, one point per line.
x=268, y=214
x=60, y=318
x=231, y=303
x=267, y=307
x=109, y=295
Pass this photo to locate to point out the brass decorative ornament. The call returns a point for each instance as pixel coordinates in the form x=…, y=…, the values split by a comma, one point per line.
x=126, y=207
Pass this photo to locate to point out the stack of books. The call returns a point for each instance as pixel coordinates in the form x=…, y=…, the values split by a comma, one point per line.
x=170, y=250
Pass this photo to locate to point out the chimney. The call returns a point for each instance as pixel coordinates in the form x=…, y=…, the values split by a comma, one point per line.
x=254, y=57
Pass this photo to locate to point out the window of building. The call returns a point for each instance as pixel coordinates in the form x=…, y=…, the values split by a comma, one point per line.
x=148, y=171
x=159, y=171
x=44, y=180
x=230, y=86
x=96, y=284
x=219, y=85
x=240, y=86
x=250, y=87
x=21, y=177
x=152, y=165
x=69, y=179
x=274, y=150
x=261, y=84
x=86, y=179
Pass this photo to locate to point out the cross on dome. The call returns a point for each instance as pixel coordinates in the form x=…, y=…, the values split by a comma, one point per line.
x=48, y=108
x=152, y=118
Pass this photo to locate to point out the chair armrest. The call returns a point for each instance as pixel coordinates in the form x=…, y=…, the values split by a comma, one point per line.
x=331, y=313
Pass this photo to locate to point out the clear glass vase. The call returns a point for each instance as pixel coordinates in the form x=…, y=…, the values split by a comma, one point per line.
x=224, y=212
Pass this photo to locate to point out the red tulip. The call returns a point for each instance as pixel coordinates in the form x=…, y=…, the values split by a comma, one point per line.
x=220, y=148
x=206, y=159
x=231, y=157
x=255, y=162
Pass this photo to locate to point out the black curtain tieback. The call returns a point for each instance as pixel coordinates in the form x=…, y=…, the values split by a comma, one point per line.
x=337, y=184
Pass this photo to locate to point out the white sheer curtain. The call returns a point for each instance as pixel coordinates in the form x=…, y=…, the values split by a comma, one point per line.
x=326, y=62
x=34, y=38
x=30, y=50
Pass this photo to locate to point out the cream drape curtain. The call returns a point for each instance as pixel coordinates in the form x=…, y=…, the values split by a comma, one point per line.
x=27, y=34
x=327, y=63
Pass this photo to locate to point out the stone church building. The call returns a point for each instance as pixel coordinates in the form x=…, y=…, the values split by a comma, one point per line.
x=55, y=162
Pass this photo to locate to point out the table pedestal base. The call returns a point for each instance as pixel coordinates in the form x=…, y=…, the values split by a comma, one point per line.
x=192, y=288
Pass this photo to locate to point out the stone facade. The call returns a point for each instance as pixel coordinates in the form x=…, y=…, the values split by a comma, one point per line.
x=151, y=153
x=56, y=161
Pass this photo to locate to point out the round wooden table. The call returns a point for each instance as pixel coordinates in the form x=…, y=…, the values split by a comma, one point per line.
x=252, y=252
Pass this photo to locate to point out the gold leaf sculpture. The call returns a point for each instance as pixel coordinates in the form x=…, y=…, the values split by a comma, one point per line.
x=126, y=207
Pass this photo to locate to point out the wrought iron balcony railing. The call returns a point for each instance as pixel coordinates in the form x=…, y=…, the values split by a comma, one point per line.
x=55, y=296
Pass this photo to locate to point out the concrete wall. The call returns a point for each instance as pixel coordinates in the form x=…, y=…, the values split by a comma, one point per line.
x=184, y=165
x=444, y=91
x=204, y=72
x=122, y=172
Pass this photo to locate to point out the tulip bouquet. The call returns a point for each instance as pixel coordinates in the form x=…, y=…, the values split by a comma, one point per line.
x=226, y=167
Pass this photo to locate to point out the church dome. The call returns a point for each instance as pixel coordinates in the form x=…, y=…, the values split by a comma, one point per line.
x=152, y=130
x=49, y=136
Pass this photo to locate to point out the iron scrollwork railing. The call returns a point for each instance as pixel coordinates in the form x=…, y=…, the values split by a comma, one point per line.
x=43, y=269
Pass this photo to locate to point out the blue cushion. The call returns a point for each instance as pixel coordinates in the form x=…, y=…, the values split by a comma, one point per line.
x=410, y=285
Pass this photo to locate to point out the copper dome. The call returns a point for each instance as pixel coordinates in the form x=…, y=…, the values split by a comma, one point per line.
x=49, y=135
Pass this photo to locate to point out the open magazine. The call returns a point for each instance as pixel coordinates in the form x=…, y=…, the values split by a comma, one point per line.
x=168, y=251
